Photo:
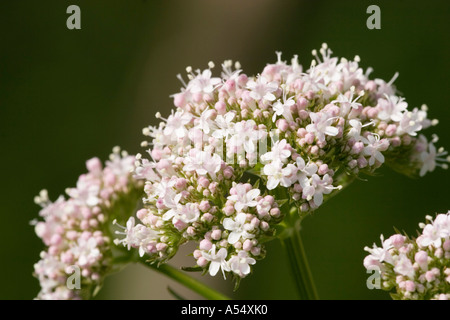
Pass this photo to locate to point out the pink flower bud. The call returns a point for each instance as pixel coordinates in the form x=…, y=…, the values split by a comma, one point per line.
x=421, y=258
x=197, y=254
x=264, y=226
x=430, y=276
x=228, y=173
x=220, y=107
x=180, y=225
x=190, y=231
x=362, y=162
x=397, y=240
x=314, y=150
x=216, y=234
x=256, y=251
x=161, y=246
x=275, y=212
x=446, y=245
x=56, y=239
x=309, y=138
x=141, y=213
x=228, y=210
x=204, y=206
x=230, y=85
x=205, y=244
x=372, y=113
x=179, y=100
x=202, y=262
x=410, y=286
x=301, y=132
x=94, y=166
x=282, y=124
x=323, y=169
x=208, y=217
x=370, y=85
x=247, y=246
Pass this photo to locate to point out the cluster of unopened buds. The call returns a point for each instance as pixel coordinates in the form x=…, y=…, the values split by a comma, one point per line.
x=415, y=268
x=237, y=148
x=234, y=156
x=76, y=230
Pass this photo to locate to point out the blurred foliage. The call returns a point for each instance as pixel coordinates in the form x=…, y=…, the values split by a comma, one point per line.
x=68, y=95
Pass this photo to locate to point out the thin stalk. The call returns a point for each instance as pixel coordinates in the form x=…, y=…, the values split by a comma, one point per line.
x=293, y=244
x=300, y=267
x=186, y=280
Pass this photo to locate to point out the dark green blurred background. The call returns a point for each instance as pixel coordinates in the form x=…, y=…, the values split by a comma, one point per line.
x=68, y=95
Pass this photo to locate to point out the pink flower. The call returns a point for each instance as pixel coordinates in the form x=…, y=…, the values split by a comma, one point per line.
x=321, y=125
x=262, y=89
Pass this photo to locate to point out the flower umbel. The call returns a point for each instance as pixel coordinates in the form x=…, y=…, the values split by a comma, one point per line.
x=238, y=150
x=415, y=268
x=76, y=231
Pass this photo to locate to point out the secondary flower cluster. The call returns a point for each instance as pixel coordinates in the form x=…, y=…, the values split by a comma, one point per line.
x=416, y=268
x=303, y=134
x=76, y=230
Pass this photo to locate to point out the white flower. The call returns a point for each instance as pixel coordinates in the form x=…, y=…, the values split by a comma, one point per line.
x=279, y=152
x=187, y=213
x=237, y=228
x=202, y=162
x=228, y=72
x=204, y=121
x=240, y=263
x=176, y=125
x=320, y=125
x=391, y=108
x=203, y=83
x=242, y=198
x=86, y=192
x=86, y=251
x=411, y=122
x=442, y=222
x=262, y=89
x=404, y=266
x=373, y=148
x=120, y=166
x=432, y=234
x=224, y=125
x=246, y=135
x=274, y=173
x=304, y=171
x=315, y=187
x=217, y=261
x=283, y=108
x=348, y=103
x=146, y=171
x=289, y=175
x=428, y=159
x=136, y=236
x=356, y=125
x=381, y=254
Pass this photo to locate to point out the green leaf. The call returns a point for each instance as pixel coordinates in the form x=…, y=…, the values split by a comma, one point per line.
x=175, y=294
x=282, y=202
x=192, y=269
x=237, y=283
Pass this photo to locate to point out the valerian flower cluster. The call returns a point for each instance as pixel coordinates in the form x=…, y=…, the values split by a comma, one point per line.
x=415, y=268
x=77, y=230
x=236, y=149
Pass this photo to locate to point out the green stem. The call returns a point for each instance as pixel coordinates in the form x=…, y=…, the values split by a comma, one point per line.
x=298, y=261
x=186, y=280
